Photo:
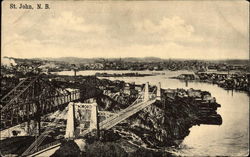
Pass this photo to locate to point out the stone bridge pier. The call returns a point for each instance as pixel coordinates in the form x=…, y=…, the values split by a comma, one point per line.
x=85, y=114
x=70, y=127
x=146, y=92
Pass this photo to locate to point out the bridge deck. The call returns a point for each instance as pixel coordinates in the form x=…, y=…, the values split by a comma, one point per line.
x=125, y=114
x=122, y=115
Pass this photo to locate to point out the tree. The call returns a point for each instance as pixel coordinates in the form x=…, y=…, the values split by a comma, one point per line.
x=108, y=149
x=68, y=149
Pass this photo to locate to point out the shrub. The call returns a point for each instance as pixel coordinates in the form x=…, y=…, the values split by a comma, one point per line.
x=100, y=149
x=67, y=149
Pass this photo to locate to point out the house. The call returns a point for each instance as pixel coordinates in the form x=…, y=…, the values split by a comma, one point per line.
x=138, y=88
x=127, y=90
x=194, y=93
x=207, y=98
x=102, y=87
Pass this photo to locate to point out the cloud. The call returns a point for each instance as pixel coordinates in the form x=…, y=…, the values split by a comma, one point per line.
x=174, y=50
x=63, y=29
x=167, y=50
x=67, y=21
x=169, y=29
x=114, y=30
x=69, y=29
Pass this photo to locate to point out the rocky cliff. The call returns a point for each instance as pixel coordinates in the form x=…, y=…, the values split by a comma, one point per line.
x=166, y=122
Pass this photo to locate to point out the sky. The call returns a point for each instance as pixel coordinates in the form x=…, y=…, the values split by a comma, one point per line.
x=165, y=29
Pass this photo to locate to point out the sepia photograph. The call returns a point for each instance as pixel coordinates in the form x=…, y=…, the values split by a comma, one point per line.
x=120, y=78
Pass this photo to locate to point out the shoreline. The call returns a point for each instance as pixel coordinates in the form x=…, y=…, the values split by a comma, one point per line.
x=224, y=81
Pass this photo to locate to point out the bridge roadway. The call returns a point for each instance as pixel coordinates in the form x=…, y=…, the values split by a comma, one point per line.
x=107, y=124
x=122, y=115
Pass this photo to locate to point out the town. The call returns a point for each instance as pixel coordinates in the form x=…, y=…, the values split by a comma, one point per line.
x=228, y=81
x=152, y=64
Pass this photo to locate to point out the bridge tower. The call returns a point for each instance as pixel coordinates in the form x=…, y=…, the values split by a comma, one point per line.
x=29, y=126
x=70, y=127
x=146, y=92
x=93, y=117
x=158, y=93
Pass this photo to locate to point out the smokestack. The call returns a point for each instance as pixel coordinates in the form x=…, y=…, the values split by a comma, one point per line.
x=75, y=72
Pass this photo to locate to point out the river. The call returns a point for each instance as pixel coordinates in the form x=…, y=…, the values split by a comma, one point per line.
x=229, y=139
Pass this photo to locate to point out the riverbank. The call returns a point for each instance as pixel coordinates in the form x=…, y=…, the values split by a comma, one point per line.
x=122, y=75
x=236, y=81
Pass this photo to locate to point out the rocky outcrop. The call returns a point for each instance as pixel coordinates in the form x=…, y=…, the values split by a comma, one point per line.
x=164, y=123
x=167, y=122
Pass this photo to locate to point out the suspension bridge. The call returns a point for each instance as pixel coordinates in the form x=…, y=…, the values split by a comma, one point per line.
x=144, y=99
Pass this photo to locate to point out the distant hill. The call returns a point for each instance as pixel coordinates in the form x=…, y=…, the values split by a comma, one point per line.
x=77, y=60
x=71, y=60
x=232, y=61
